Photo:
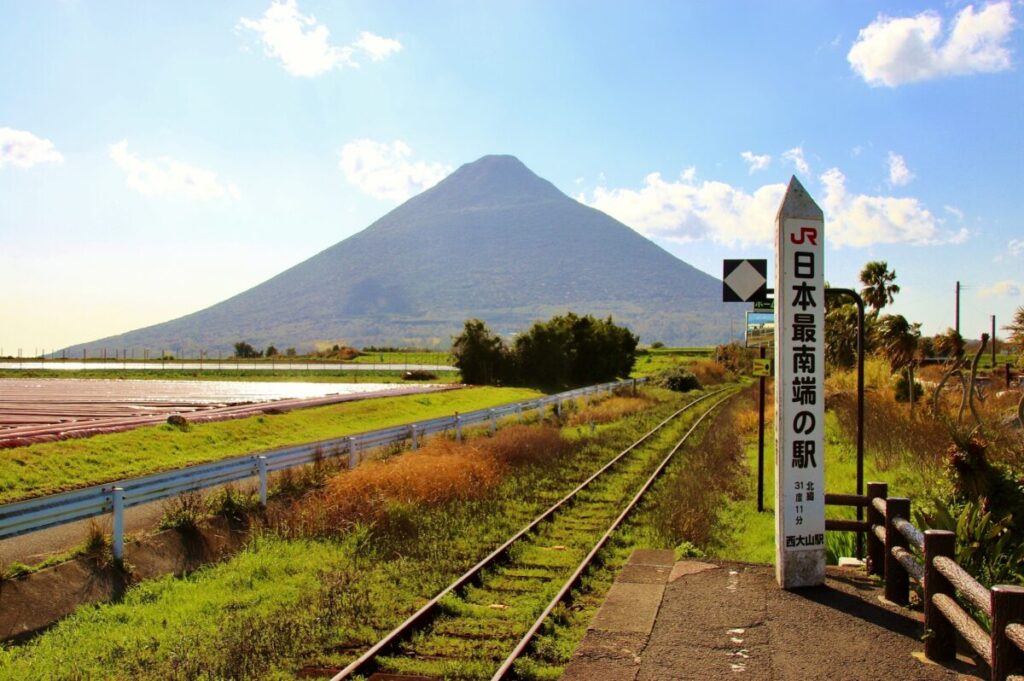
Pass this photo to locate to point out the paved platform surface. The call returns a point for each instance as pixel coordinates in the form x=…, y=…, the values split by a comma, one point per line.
x=665, y=620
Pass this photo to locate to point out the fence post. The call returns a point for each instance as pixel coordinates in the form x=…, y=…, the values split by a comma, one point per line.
x=876, y=551
x=897, y=582
x=353, y=453
x=261, y=465
x=939, y=635
x=494, y=422
x=558, y=408
x=458, y=427
x=117, y=538
x=1007, y=607
x=412, y=436
x=519, y=412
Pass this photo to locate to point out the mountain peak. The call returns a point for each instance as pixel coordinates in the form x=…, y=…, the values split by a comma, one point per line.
x=491, y=181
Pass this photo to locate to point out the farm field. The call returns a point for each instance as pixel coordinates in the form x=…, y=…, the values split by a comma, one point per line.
x=655, y=360
x=301, y=600
x=59, y=466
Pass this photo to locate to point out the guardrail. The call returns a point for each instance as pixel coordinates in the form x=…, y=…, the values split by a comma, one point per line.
x=892, y=541
x=23, y=517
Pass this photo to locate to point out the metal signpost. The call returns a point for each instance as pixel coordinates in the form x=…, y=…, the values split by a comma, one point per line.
x=799, y=391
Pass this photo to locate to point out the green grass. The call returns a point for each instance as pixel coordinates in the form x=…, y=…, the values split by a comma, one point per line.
x=656, y=360
x=57, y=466
x=412, y=357
x=282, y=605
x=749, y=536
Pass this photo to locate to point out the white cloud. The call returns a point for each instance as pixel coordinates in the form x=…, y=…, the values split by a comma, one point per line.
x=376, y=47
x=863, y=220
x=384, y=171
x=303, y=44
x=1015, y=247
x=23, y=149
x=899, y=173
x=894, y=51
x=954, y=211
x=167, y=177
x=796, y=157
x=1008, y=288
x=756, y=161
x=685, y=210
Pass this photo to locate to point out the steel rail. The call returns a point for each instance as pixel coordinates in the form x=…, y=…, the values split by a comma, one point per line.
x=364, y=663
x=527, y=638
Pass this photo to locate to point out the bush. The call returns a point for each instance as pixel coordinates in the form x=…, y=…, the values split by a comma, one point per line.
x=902, y=390
x=419, y=375
x=678, y=379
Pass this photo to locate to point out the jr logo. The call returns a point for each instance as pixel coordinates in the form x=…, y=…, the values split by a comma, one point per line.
x=806, y=233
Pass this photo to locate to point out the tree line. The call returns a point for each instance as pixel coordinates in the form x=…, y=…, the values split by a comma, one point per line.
x=565, y=350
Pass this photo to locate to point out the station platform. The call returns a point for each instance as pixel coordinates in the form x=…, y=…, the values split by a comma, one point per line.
x=705, y=620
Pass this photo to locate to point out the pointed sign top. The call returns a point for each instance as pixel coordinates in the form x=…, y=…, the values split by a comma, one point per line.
x=797, y=203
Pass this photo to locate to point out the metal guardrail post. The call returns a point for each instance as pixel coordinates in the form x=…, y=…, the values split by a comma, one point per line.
x=897, y=582
x=939, y=634
x=353, y=453
x=117, y=534
x=1007, y=607
x=519, y=412
x=558, y=408
x=458, y=427
x=261, y=465
x=494, y=421
x=876, y=551
x=413, y=437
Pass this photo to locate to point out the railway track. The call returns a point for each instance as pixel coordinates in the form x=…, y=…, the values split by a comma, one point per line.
x=484, y=621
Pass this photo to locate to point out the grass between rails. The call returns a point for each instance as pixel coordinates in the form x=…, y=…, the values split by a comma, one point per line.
x=58, y=466
x=287, y=605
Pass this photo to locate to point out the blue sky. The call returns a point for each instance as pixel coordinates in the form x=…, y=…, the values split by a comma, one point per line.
x=156, y=158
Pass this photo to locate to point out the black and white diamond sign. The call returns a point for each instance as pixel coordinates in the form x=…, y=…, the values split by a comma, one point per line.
x=744, y=281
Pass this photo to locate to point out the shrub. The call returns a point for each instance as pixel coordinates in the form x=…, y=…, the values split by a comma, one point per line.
x=708, y=372
x=901, y=389
x=678, y=379
x=419, y=375
x=183, y=512
x=656, y=345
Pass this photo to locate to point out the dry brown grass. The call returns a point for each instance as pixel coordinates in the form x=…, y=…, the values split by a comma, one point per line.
x=611, y=409
x=713, y=469
x=709, y=372
x=439, y=472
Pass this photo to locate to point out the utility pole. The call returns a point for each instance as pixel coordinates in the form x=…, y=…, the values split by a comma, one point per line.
x=993, y=343
x=957, y=318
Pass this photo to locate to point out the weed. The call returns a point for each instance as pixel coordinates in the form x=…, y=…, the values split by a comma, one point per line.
x=183, y=512
x=233, y=504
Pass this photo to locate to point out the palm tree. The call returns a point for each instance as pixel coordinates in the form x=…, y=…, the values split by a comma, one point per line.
x=898, y=341
x=879, y=287
x=949, y=344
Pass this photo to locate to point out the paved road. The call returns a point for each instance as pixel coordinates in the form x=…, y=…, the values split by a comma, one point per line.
x=705, y=621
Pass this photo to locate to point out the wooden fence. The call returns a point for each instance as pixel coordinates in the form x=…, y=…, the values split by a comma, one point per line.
x=893, y=550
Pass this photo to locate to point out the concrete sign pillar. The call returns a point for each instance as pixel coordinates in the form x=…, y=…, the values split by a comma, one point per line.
x=799, y=391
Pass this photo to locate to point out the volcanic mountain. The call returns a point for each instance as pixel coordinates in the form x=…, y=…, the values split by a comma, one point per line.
x=494, y=241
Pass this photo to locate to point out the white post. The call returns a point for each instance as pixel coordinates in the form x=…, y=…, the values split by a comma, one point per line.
x=799, y=391
x=458, y=427
x=519, y=412
x=494, y=422
x=261, y=465
x=117, y=538
x=353, y=453
x=412, y=436
x=558, y=408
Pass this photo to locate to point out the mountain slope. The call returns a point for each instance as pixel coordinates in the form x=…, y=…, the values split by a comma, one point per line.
x=493, y=241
